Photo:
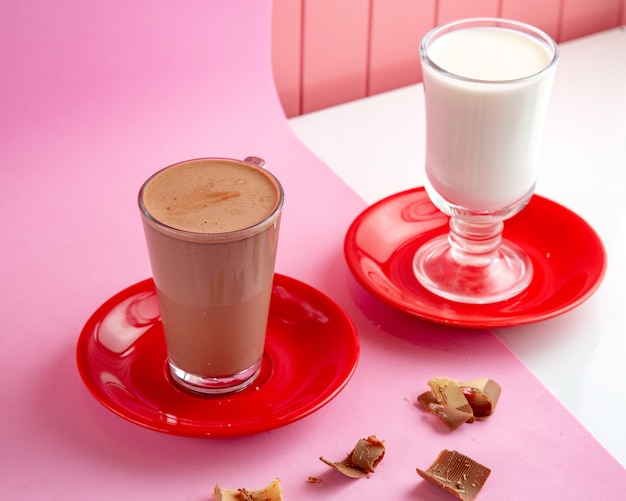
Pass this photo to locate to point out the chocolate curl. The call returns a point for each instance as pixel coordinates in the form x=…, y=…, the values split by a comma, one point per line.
x=451, y=417
x=448, y=392
x=363, y=460
x=426, y=399
x=457, y=403
x=273, y=492
x=456, y=474
x=482, y=395
x=447, y=401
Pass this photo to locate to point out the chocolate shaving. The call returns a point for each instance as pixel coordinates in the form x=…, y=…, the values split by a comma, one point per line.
x=273, y=492
x=426, y=399
x=482, y=395
x=363, y=460
x=456, y=474
x=457, y=403
x=451, y=417
x=448, y=392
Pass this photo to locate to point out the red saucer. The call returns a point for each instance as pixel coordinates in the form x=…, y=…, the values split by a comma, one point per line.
x=311, y=352
x=568, y=258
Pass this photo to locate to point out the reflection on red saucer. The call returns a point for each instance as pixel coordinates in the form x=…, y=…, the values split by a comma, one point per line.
x=311, y=352
x=568, y=259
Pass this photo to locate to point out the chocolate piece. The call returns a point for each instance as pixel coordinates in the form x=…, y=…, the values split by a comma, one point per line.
x=457, y=403
x=272, y=492
x=363, y=460
x=482, y=395
x=451, y=417
x=456, y=474
x=448, y=392
x=426, y=399
x=447, y=401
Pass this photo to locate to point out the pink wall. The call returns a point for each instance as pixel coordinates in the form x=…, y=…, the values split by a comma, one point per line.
x=397, y=26
x=335, y=42
x=581, y=17
x=287, y=24
x=327, y=52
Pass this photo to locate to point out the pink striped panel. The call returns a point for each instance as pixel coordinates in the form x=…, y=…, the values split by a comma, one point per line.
x=397, y=27
x=450, y=10
x=326, y=52
x=583, y=17
x=335, y=55
x=544, y=14
x=287, y=53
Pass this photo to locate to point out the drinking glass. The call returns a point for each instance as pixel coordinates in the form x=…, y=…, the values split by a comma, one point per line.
x=486, y=82
x=211, y=228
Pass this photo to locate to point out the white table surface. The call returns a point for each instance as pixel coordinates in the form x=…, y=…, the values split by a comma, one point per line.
x=376, y=145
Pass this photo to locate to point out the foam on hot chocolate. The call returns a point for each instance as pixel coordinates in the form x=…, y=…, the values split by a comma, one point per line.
x=211, y=197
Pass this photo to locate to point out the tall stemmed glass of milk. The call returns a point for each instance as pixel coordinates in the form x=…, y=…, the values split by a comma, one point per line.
x=486, y=83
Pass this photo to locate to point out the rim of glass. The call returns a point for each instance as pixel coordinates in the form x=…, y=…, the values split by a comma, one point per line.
x=487, y=22
x=227, y=235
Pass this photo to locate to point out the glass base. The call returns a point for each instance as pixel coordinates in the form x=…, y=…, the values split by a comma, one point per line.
x=505, y=273
x=214, y=385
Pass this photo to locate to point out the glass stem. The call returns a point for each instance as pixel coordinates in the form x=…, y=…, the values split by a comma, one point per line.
x=475, y=244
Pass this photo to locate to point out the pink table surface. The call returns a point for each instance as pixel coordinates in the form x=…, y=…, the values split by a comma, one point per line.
x=97, y=96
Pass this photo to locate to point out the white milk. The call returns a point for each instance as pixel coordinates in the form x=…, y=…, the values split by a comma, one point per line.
x=483, y=129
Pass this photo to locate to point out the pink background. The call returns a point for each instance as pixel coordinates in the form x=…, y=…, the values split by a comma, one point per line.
x=326, y=52
x=96, y=97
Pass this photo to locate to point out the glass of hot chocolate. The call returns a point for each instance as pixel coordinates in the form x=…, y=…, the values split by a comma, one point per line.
x=211, y=228
x=486, y=84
